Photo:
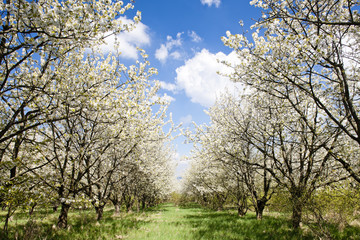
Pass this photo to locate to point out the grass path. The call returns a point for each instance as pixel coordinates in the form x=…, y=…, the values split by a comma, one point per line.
x=171, y=223
x=165, y=222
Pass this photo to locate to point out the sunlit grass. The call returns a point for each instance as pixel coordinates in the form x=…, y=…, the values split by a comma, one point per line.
x=164, y=222
x=82, y=225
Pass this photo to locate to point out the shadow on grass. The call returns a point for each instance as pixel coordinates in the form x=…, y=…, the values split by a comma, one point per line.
x=191, y=221
x=348, y=232
x=159, y=208
x=222, y=225
x=190, y=205
x=82, y=225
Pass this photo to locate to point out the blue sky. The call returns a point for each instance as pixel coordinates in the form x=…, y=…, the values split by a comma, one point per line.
x=183, y=41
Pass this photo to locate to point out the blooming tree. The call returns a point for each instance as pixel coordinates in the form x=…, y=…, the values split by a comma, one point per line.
x=70, y=116
x=311, y=47
x=235, y=119
x=36, y=36
x=261, y=139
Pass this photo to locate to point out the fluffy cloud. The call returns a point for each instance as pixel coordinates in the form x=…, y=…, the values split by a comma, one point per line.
x=164, y=51
x=175, y=55
x=127, y=42
x=168, y=86
x=186, y=120
x=194, y=36
x=167, y=98
x=200, y=79
x=211, y=2
x=164, y=98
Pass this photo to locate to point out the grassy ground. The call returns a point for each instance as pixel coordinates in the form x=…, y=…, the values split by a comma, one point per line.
x=164, y=222
x=196, y=223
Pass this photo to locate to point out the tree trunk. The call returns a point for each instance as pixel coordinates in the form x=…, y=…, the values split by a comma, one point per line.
x=62, y=221
x=127, y=206
x=260, y=206
x=298, y=200
x=99, y=212
x=143, y=204
x=117, y=205
x=242, y=205
x=7, y=218
x=241, y=211
x=137, y=205
x=131, y=206
x=220, y=200
x=296, y=214
x=220, y=207
x=31, y=211
x=117, y=209
x=128, y=203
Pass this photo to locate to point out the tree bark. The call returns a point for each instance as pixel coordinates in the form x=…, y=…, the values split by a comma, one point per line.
x=7, y=218
x=62, y=221
x=137, y=205
x=143, y=204
x=129, y=202
x=31, y=211
x=117, y=204
x=242, y=206
x=260, y=206
x=296, y=214
x=117, y=208
x=99, y=212
x=241, y=211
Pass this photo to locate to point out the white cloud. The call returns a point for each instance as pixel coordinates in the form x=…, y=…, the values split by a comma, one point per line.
x=175, y=55
x=194, y=36
x=164, y=51
x=200, y=80
x=211, y=2
x=182, y=164
x=186, y=119
x=167, y=98
x=174, y=42
x=127, y=42
x=168, y=86
x=163, y=98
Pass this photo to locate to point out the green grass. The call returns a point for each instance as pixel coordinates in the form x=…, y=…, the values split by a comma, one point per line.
x=197, y=223
x=164, y=222
x=82, y=225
